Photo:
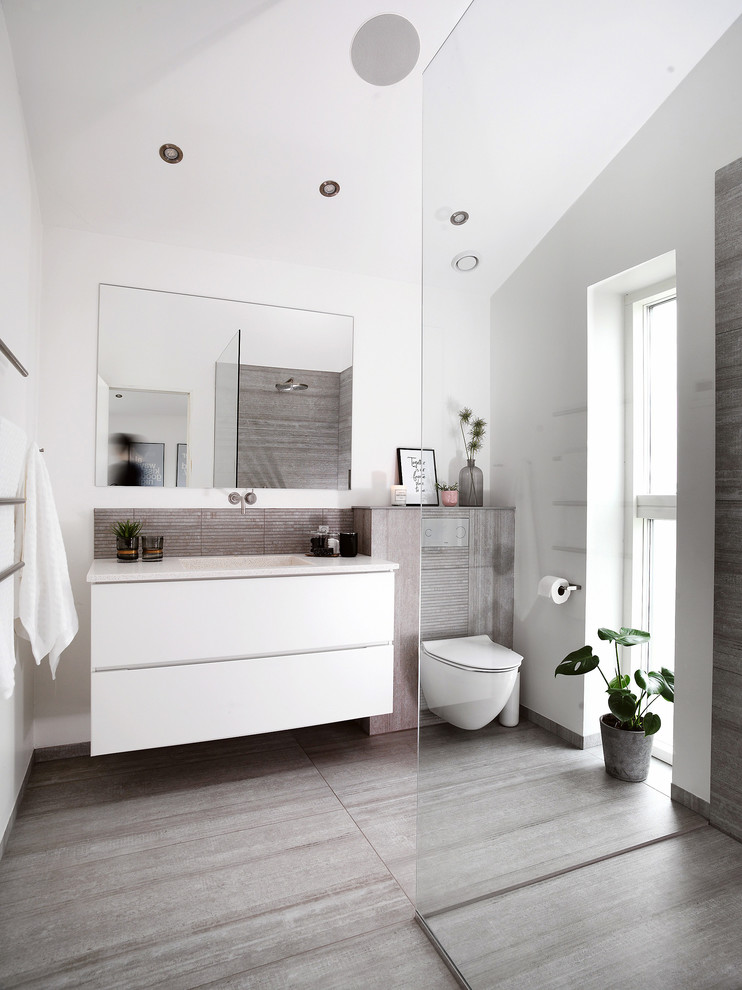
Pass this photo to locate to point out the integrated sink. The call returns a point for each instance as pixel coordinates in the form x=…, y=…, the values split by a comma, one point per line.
x=256, y=561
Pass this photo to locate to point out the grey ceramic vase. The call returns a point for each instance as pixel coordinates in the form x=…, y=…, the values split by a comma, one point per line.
x=471, y=485
x=626, y=753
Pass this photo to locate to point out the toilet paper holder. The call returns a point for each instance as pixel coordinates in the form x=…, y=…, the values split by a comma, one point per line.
x=557, y=587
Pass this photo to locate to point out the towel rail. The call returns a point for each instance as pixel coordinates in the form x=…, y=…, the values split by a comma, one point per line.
x=12, y=501
x=11, y=570
x=12, y=358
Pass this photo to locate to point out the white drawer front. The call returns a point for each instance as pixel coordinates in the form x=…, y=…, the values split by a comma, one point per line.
x=174, y=621
x=163, y=706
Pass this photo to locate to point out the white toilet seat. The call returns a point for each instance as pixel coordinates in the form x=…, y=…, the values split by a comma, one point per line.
x=476, y=653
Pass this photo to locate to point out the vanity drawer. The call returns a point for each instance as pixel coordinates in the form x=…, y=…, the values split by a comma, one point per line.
x=146, y=623
x=170, y=705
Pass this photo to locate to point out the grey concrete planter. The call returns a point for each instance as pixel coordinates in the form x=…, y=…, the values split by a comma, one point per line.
x=626, y=754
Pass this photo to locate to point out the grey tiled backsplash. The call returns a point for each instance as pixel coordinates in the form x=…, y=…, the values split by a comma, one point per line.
x=205, y=532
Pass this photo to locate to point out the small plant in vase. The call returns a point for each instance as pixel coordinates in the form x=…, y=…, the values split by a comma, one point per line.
x=470, y=477
x=127, y=533
x=449, y=493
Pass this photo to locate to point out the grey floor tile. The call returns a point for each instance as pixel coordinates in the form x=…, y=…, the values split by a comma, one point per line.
x=664, y=916
x=401, y=958
x=509, y=808
x=71, y=844
x=219, y=907
x=353, y=763
x=158, y=780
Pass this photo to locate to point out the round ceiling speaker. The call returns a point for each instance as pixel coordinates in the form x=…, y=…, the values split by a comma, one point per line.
x=385, y=49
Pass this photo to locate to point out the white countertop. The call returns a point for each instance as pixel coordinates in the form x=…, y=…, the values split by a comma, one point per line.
x=109, y=570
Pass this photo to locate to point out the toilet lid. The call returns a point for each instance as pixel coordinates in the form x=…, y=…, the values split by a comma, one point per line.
x=473, y=652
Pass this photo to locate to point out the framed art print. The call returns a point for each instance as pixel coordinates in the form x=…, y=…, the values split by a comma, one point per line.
x=417, y=474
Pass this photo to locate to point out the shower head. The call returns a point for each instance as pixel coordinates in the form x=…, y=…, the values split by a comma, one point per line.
x=290, y=386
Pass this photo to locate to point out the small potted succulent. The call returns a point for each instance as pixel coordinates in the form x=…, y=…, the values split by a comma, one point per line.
x=449, y=493
x=127, y=538
x=628, y=728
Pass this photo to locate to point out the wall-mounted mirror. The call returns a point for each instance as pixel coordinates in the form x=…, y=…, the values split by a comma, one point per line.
x=204, y=392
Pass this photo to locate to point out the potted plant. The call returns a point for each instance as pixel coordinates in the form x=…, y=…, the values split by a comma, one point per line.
x=127, y=538
x=628, y=728
x=470, y=477
x=449, y=493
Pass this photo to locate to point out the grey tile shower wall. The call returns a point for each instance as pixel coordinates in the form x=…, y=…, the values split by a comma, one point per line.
x=288, y=439
x=205, y=532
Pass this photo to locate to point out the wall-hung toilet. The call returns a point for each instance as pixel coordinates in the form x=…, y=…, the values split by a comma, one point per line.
x=469, y=681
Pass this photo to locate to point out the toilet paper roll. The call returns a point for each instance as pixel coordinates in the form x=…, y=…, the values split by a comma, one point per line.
x=556, y=588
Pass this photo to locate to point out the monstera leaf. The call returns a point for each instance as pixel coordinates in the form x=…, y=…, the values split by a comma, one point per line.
x=623, y=704
x=582, y=661
x=654, y=683
x=652, y=722
x=627, y=637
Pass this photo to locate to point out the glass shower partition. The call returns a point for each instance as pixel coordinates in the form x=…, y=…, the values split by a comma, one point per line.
x=226, y=414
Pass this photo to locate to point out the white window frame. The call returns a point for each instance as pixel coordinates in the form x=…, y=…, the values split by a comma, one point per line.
x=641, y=507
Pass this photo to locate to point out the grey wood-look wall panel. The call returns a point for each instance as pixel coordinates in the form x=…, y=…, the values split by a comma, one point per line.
x=443, y=558
x=196, y=532
x=726, y=789
x=469, y=591
x=224, y=531
x=288, y=439
x=726, y=730
x=491, y=574
x=444, y=608
x=393, y=533
x=729, y=413
x=729, y=247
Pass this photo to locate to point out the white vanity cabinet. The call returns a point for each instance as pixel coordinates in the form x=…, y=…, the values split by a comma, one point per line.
x=177, y=658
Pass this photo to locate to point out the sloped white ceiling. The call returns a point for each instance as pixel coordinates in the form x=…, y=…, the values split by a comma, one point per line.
x=529, y=101
x=262, y=97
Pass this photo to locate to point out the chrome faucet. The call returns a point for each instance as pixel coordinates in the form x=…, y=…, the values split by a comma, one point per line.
x=249, y=498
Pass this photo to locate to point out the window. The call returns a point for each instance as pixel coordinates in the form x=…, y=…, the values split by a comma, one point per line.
x=651, y=479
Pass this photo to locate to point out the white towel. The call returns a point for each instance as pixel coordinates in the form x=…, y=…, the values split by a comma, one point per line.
x=46, y=609
x=13, y=445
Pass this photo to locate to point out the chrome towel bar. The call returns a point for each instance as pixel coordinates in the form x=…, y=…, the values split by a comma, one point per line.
x=11, y=570
x=12, y=501
x=12, y=358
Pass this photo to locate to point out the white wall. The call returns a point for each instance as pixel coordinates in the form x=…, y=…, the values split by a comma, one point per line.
x=386, y=400
x=456, y=364
x=20, y=239
x=656, y=196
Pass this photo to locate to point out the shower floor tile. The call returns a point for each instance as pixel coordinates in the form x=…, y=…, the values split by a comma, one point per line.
x=504, y=807
x=664, y=916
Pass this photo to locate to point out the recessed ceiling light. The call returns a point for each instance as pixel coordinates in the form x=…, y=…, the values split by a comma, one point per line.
x=171, y=154
x=465, y=262
x=459, y=217
x=329, y=188
x=119, y=395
